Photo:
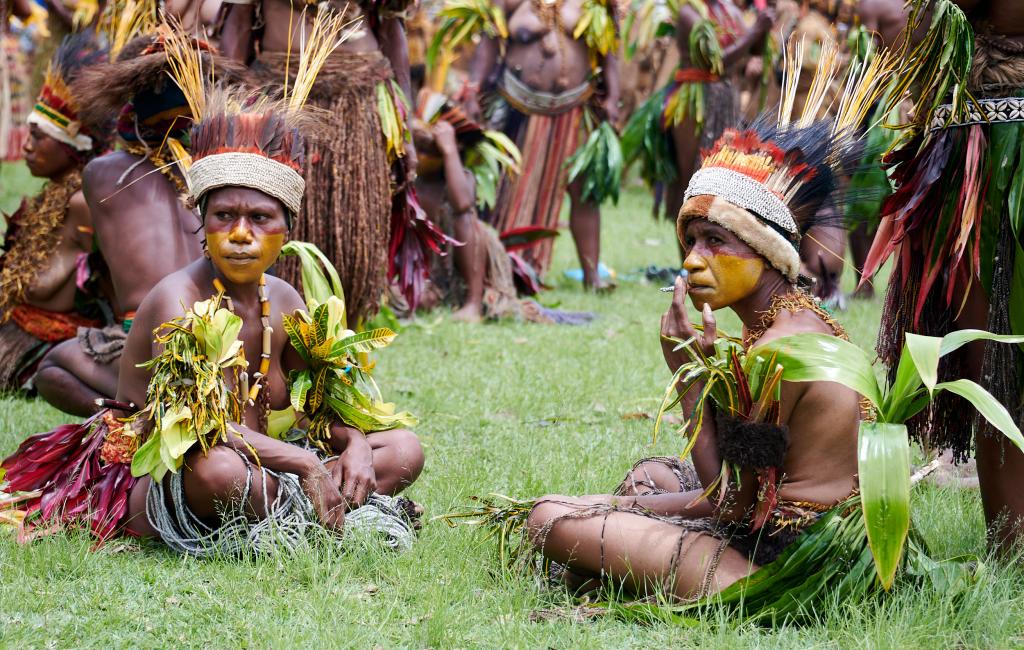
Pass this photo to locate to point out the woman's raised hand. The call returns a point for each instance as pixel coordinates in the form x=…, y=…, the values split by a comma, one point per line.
x=675, y=324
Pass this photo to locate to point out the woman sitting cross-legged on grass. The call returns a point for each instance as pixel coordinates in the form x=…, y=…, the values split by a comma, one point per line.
x=755, y=482
x=219, y=461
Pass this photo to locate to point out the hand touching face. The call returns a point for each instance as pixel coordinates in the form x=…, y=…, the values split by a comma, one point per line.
x=245, y=230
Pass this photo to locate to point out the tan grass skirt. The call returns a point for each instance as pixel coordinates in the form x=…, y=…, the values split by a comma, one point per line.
x=347, y=207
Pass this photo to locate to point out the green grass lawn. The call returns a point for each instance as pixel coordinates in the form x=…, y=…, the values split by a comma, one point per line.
x=512, y=408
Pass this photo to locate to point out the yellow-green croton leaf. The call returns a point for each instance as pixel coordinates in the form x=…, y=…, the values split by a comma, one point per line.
x=176, y=436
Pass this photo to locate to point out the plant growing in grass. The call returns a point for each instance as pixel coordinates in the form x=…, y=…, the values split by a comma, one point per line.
x=883, y=456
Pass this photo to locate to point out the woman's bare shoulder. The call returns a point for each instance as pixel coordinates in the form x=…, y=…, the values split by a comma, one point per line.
x=170, y=298
x=283, y=296
x=788, y=323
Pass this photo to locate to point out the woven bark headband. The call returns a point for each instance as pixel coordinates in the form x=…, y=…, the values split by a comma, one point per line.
x=253, y=170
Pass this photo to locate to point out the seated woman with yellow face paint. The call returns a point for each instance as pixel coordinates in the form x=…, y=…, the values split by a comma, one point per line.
x=753, y=487
x=251, y=418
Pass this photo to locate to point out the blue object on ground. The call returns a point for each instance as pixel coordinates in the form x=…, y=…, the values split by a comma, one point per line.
x=577, y=274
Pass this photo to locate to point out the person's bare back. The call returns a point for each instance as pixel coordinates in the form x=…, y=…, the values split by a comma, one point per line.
x=1004, y=17
x=887, y=18
x=821, y=463
x=144, y=230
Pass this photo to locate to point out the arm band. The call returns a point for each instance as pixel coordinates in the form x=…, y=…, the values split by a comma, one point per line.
x=751, y=445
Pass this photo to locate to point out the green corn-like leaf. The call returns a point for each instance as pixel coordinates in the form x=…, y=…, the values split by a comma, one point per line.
x=883, y=464
x=821, y=357
x=320, y=279
x=988, y=406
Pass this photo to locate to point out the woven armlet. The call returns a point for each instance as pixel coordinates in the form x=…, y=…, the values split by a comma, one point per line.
x=751, y=445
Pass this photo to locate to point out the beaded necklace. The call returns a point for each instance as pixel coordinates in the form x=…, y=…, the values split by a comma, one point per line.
x=250, y=393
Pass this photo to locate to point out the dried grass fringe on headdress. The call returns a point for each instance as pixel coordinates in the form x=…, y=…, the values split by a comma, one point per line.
x=104, y=90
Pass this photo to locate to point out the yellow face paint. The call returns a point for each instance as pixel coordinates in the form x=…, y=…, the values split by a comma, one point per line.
x=721, y=280
x=243, y=260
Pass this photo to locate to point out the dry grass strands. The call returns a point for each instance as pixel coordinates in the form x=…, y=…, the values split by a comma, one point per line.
x=330, y=29
x=186, y=66
x=123, y=21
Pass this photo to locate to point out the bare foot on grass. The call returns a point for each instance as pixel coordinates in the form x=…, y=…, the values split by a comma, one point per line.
x=468, y=313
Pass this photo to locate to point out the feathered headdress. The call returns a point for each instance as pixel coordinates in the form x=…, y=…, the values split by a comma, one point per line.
x=57, y=109
x=242, y=139
x=766, y=183
x=138, y=91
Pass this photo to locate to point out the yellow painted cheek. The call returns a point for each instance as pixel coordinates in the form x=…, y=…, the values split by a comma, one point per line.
x=214, y=242
x=736, y=277
x=270, y=248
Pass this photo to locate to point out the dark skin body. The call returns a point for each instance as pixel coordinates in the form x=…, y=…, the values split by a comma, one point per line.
x=238, y=40
x=734, y=58
x=820, y=465
x=145, y=233
x=553, y=62
x=247, y=230
x=457, y=185
x=54, y=285
x=196, y=16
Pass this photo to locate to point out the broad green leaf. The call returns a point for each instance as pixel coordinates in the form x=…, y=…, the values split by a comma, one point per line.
x=959, y=338
x=228, y=326
x=883, y=465
x=147, y=459
x=176, y=437
x=925, y=352
x=820, y=357
x=280, y=422
x=175, y=441
x=988, y=406
x=902, y=392
x=336, y=318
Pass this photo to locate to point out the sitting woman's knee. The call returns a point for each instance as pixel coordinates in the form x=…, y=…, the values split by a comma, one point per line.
x=219, y=474
x=56, y=358
x=411, y=452
x=543, y=511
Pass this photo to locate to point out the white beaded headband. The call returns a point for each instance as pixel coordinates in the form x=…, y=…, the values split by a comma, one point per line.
x=238, y=169
x=743, y=191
